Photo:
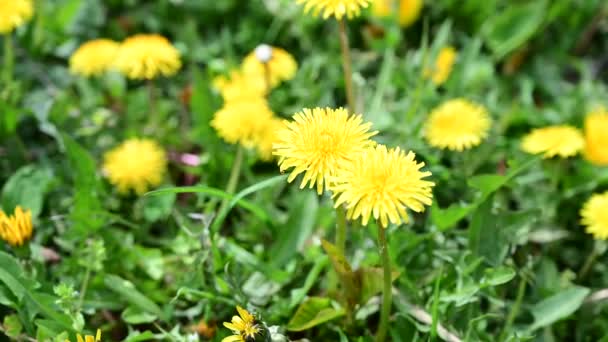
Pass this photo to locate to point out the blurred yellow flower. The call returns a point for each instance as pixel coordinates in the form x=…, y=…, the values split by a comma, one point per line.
x=135, y=164
x=563, y=141
x=281, y=65
x=244, y=327
x=595, y=216
x=242, y=122
x=14, y=13
x=596, y=136
x=147, y=56
x=409, y=10
x=88, y=338
x=94, y=57
x=268, y=137
x=336, y=8
x=443, y=66
x=240, y=86
x=16, y=229
x=457, y=125
x=319, y=142
x=382, y=183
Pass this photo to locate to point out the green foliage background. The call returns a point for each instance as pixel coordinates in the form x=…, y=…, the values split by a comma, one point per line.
x=498, y=257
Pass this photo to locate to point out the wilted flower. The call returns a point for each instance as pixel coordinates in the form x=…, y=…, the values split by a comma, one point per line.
x=281, y=65
x=336, y=8
x=16, y=229
x=382, y=183
x=563, y=141
x=147, y=56
x=135, y=164
x=596, y=136
x=457, y=125
x=319, y=142
x=595, y=216
x=244, y=327
x=14, y=13
x=94, y=57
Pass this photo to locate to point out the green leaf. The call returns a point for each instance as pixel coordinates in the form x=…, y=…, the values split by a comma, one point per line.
x=481, y=229
x=137, y=336
x=348, y=278
x=558, y=306
x=134, y=315
x=513, y=27
x=497, y=276
x=158, y=207
x=312, y=312
x=372, y=281
x=26, y=188
x=130, y=294
x=12, y=326
x=448, y=217
x=487, y=184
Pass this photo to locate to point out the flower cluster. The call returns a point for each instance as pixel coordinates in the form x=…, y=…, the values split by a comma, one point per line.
x=334, y=152
x=246, y=117
x=16, y=229
x=140, y=57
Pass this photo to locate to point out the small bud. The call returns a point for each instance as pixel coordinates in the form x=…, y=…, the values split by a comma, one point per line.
x=263, y=53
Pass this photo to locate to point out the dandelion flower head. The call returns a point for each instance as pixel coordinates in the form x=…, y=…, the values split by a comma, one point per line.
x=14, y=13
x=596, y=136
x=268, y=137
x=595, y=216
x=16, y=229
x=457, y=125
x=409, y=10
x=443, y=66
x=319, y=142
x=243, y=326
x=335, y=8
x=562, y=140
x=383, y=183
x=136, y=164
x=239, y=86
x=94, y=57
x=88, y=338
x=242, y=122
x=147, y=56
x=281, y=65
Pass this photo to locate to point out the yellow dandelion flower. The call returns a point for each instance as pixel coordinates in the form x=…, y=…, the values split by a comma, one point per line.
x=564, y=141
x=14, y=13
x=135, y=164
x=147, y=56
x=16, y=229
x=457, y=125
x=94, y=57
x=595, y=216
x=281, y=65
x=268, y=137
x=244, y=327
x=409, y=10
x=88, y=338
x=239, y=86
x=335, y=8
x=382, y=183
x=443, y=66
x=596, y=136
x=319, y=142
x=241, y=122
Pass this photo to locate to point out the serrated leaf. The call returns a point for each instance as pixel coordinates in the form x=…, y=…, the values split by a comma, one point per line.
x=557, y=307
x=312, y=312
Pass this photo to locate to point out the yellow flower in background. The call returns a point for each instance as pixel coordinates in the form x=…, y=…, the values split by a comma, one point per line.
x=595, y=216
x=563, y=141
x=457, y=125
x=281, y=65
x=239, y=86
x=408, y=10
x=443, y=66
x=88, y=338
x=382, y=183
x=335, y=8
x=94, y=57
x=243, y=327
x=319, y=142
x=596, y=136
x=136, y=164
x=16, y=229
x=14, y=13
x=147, y=56
x=242, y=122
x=268, y=137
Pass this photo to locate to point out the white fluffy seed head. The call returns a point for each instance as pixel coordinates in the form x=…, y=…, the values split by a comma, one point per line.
x=263, y=53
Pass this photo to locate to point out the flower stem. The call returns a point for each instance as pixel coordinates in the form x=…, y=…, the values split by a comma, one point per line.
x=9, y=59
x=588, y=263
x=83, y=287
x=514, y=309
x=346, y=66
x=387, y=295
x=341, y=230
x=233, y=181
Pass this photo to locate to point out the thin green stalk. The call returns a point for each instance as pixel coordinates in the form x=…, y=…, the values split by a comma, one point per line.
x=83, y=287
x=233, y=181
x=347, y=67
x=514, y=309
x=9, y=59
x=588, y=263
x=341, y=230
x=387, y=295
